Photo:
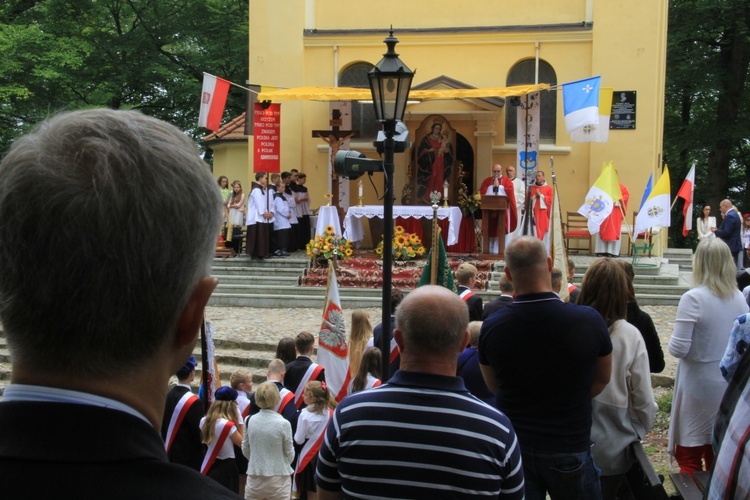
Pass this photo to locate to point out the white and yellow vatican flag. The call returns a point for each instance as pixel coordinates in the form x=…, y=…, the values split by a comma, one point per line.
x=655, y=211
x=600, y=199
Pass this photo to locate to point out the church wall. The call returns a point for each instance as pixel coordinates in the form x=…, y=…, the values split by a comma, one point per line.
x=625, y=44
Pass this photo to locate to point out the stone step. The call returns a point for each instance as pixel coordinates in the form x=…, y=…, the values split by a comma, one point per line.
x=258, y=271
x=672, y=252
x=270, y=280
x=296, y=261
x=294, y=300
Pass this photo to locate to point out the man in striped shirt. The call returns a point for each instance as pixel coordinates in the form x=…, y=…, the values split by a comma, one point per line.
x=421, y=435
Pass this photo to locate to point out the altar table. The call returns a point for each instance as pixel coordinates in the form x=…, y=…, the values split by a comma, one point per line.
x=353, y=220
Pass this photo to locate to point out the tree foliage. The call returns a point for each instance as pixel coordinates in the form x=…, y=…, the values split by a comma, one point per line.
x=707, y=101
x=148, y=55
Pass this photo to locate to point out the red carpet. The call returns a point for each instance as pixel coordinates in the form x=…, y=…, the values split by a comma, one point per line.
x=365, y=270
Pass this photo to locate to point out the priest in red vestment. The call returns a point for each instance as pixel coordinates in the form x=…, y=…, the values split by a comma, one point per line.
x=608, y=239
x=499, y=184
x=541, y=196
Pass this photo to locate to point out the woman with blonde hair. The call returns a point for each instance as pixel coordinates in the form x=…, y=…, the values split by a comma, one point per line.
x=222, y=428
x=704, y=320
x=624, y=411
x=361, y=332
x=267, y=444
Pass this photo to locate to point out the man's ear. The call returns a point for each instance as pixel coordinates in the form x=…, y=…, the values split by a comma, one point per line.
x=465, y=342
x=188, y=324
x=399, y=338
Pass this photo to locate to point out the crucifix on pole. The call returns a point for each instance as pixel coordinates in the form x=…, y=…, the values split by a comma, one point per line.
x=335, y=138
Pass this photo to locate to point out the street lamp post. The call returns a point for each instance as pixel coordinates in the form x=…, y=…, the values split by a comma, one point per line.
x=390, y=82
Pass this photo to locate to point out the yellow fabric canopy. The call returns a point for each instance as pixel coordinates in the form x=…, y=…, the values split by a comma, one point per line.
x=354, y=94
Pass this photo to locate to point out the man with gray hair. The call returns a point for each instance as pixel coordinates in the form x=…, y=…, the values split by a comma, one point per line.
x=108, y=224
x=421, y=435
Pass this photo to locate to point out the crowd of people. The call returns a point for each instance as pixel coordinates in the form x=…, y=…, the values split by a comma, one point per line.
x=275, y=214
x=98, y=321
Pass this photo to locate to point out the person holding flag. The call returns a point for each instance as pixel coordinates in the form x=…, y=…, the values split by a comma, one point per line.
x=608, y=239
x=600, y=200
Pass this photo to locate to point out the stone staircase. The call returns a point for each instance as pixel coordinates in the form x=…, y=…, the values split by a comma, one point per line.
x=274, y=282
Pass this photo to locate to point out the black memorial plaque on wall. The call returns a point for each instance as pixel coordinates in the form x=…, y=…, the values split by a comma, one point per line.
x=623, y=110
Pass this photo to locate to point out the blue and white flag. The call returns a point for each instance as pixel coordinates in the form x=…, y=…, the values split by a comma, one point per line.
x=647, y=191
x=581, y=103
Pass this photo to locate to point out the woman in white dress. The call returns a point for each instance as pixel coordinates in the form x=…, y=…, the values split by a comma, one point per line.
x=705, y=223
x=704, y=320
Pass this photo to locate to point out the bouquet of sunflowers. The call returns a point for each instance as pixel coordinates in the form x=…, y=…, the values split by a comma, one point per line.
x=329, y=246
x=406, y=246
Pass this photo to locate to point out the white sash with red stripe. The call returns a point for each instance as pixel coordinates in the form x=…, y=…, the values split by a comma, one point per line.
x=311, y=374
x=215, y=447
x=372, y=382
x=466, y=295
x=286, y=397
x=244, y=407
x=310, y=450
x=178, y=415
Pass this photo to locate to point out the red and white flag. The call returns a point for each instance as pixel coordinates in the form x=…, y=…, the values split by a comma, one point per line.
x=213, y=101
x=333, y=350
x=686, y=193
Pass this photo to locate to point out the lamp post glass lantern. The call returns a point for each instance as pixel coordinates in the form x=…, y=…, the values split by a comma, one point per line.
x=390, y=83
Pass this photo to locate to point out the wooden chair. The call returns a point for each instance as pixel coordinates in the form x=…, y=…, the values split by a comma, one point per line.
x=576, y=227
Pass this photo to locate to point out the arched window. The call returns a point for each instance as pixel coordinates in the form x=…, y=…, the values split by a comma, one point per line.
x=363, y=114
x=523, y=74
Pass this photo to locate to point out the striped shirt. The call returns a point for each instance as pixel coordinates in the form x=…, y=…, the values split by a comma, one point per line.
x=420, y=436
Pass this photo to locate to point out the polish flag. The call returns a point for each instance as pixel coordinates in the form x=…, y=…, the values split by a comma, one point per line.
x=213, y=100
x=333, y=350
x=686, y=193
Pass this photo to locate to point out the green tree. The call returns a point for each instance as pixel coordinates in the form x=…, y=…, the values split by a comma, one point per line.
x=708, y=57
x=148, y=55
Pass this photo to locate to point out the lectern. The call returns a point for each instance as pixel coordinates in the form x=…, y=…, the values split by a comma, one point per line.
x=493, y=215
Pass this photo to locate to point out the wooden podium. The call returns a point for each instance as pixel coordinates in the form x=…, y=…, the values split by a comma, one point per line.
x=493, y=214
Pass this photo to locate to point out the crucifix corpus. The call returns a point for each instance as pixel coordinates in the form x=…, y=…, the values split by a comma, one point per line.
x=335, y=138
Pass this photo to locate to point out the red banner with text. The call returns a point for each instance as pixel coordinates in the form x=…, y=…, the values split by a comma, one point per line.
x=267, y=145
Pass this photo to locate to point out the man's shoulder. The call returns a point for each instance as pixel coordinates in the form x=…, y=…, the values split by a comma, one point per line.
x=77, y=463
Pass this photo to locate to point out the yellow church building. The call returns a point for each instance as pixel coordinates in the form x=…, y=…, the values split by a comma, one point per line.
x=461, y=45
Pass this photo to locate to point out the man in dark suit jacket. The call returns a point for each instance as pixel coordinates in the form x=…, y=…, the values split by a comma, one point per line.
x=465, y=277
x=180, y=427
x=377, y=333
x=302, y=370
x=99, y=319
x=730, y=231
x=504, y=300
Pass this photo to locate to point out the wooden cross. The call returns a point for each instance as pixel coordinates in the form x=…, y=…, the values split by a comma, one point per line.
x=335, y=138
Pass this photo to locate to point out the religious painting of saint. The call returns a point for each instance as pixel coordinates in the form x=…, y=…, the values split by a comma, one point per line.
x=434, y=157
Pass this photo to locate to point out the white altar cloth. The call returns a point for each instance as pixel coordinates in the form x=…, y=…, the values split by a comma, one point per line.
x=353, y=219
x=328, y=216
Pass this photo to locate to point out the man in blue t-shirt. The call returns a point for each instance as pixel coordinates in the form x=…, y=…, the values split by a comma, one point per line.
x=545, y=359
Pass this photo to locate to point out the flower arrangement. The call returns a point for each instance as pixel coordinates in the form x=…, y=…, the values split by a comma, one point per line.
x=406, y=246
x=469, y=202
x=329, y=246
